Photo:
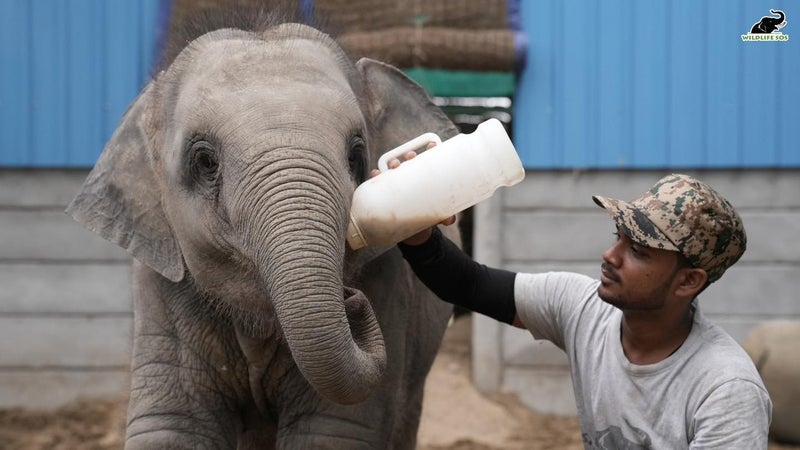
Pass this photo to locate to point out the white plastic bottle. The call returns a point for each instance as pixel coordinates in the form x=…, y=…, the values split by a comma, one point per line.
x=438, y=183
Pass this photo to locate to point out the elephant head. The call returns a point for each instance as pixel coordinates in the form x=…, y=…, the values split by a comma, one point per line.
x=232, y=174
x=769, y=24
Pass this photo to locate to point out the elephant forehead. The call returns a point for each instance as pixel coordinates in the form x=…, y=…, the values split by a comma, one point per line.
x=240, y=79
x=233, y=65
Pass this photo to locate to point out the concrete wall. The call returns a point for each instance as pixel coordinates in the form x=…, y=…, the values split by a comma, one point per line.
x=549, y=222
x=65, y=310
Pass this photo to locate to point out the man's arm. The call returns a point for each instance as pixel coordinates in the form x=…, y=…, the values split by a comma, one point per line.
x=457, y=279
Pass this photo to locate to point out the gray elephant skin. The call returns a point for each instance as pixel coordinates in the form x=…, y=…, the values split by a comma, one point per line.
x=229, y=182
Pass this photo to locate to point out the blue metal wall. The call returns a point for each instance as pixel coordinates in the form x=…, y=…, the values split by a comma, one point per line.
x=653, y=84
x=68, y=70
x=609, y=84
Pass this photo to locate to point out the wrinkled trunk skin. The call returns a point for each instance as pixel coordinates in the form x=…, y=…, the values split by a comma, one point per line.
x=336, y=344
x=298, y=241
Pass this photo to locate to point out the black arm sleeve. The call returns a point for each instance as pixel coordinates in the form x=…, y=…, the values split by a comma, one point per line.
x=457, y=279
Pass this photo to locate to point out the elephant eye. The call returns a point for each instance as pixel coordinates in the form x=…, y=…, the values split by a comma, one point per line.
x=357, y=158
x=203, y=163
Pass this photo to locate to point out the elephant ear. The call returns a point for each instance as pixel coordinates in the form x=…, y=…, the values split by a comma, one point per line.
x=121, y=199
x=400, y=109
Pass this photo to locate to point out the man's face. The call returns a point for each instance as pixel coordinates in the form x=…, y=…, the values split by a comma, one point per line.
x=635, y=277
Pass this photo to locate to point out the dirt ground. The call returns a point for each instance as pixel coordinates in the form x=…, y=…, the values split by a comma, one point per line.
x=455, y=416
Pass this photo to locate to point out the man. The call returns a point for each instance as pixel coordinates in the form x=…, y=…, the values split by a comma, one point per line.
x=648, y=368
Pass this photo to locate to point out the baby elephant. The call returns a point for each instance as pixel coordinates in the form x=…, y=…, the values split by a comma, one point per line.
x=229, y=181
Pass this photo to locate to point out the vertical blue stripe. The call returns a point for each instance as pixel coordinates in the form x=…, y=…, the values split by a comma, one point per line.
x=613, y=86
x=686, y=67
x=557, y=82
x=722, y=84
x=146, y=41
x=576, y=56
x=759, y=104
x=85, y=99
x=15, y=88
x=651, y=87
x=48, y=74
x=591, y=111
x=534, y=121
x=787, y=90
x=122, y=59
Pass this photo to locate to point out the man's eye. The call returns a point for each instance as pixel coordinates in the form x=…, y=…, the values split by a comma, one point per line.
x=638, y=251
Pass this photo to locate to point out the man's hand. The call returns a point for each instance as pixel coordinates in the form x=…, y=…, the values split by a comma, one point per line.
x=423, y=236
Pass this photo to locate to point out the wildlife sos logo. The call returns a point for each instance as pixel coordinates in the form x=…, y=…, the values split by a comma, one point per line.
x=766, y=29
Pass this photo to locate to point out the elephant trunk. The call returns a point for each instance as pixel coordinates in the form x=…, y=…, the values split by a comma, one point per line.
x=331, y=329
x=780, y=13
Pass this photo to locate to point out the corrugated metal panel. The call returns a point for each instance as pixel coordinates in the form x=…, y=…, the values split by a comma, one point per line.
x=69, y=70
x=634, y=84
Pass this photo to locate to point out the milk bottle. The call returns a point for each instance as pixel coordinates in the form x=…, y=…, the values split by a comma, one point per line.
x=438, y=183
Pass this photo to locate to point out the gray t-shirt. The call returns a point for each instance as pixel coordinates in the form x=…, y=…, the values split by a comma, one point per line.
x=706, y=395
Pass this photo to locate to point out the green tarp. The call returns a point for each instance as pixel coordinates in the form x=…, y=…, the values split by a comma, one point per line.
x=463, y=83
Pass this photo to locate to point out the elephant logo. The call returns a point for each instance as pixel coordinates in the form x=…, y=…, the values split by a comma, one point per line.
x=769, y=24
x=767, y=28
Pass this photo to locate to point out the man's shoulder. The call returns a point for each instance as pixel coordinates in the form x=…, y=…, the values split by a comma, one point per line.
x=730, y=401
x=565, y=291
x=558, y=281
x=553, y=304
x=721, y=358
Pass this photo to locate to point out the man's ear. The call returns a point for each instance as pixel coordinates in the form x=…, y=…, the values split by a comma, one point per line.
x=691, y=282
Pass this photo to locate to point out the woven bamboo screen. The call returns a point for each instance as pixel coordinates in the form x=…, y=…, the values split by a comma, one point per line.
x=442, y=34
x=445, y=34
x=368, y=15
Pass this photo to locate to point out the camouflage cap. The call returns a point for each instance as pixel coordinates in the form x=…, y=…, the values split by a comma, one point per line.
x=683, y=214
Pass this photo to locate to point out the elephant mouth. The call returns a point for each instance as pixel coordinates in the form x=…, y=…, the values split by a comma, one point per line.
x=351, y=293
x=355, y=260
x=354, y=303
